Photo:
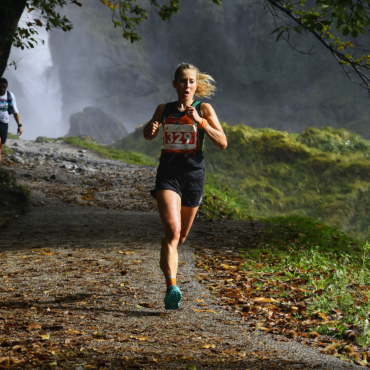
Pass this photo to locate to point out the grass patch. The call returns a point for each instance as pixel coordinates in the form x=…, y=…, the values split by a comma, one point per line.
x=12, y=136
x=305, y=232
x=113, y=153
x=317, y=273
x=219, y=201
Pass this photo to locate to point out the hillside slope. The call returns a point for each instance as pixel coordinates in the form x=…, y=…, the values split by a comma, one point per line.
x=324, y=174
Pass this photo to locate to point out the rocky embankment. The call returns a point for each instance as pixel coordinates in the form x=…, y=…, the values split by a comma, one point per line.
x=57, y=172
x=100, y=125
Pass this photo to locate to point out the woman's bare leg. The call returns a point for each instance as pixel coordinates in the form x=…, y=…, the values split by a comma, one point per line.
x=169, y=206
x=187, y=217
x=1, y=148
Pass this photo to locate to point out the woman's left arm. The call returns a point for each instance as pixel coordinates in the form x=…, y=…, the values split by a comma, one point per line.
x=214, y=129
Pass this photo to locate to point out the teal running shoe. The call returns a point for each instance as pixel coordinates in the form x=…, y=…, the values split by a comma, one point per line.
x=173, y=298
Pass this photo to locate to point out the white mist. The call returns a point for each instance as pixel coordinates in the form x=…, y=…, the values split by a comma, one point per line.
x=36, y=86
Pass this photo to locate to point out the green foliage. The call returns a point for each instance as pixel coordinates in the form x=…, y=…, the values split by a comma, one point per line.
x=322, y=174
x=113, y=153
x=219, y=201
x=331, y=268
x=50, y=18
x=123, y=8
x=281, y=231
x=335, y=141
x=326, y=20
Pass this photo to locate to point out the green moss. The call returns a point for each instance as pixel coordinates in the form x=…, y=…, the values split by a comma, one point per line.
x=336, y=141
x=219, y=201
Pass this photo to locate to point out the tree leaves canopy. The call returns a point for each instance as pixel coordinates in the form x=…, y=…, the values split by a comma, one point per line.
x=337, y=24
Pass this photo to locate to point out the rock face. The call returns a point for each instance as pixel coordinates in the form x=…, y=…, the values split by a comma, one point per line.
x=98, y=124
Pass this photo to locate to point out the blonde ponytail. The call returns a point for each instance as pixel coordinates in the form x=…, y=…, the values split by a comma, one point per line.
x=205, y=87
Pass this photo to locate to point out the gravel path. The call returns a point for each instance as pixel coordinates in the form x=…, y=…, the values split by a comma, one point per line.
x=58, y=172
x=80, y=285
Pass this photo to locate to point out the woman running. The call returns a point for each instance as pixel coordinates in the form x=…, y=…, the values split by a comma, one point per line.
x=181, y=171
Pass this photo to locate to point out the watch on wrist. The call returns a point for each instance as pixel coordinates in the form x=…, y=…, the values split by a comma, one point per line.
x=19, y=125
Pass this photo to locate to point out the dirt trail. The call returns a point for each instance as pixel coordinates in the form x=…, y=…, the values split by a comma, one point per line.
x=80, y=287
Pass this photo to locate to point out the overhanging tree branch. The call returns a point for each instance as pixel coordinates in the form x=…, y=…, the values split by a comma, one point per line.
x=344, y=60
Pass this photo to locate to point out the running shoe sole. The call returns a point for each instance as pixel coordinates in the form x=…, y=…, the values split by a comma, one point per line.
x=173, y=298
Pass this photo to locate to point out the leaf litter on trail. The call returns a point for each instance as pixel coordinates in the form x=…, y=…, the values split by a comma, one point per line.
x=269, y=303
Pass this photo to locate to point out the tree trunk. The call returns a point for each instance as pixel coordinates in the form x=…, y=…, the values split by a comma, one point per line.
x=10, y=13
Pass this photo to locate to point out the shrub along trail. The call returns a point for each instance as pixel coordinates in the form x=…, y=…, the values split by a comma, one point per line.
x=80, y=287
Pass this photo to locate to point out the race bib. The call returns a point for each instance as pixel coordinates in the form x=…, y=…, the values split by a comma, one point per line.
x=180, y=137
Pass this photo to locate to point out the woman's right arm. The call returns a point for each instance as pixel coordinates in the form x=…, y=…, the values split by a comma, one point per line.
x=151, y=129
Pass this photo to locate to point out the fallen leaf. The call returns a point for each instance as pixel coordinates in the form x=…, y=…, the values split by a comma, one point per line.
x=139, y=338
x=34, y=326
x=73, y=332
x=191, y=367
x=208, y=346
x=146, y=304
x=211, y=311
x=323, y=316
x=5, y=361
x=263, y=328
x=264, y=300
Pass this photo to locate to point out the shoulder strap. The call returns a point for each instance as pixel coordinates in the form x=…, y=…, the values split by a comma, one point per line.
x=10, y=103
x=197, y=105
x=166, y=112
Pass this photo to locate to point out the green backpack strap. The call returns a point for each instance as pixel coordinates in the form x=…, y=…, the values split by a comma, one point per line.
x=196, y=103
x=166, y=112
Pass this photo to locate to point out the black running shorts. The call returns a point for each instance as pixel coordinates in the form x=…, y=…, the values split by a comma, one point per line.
x=3, y=132
x=188, y=183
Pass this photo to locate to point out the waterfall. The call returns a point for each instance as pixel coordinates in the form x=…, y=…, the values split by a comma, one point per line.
x=35, y=83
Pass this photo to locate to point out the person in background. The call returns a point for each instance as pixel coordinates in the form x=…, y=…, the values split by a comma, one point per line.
x=8, y=106
x=181, y=172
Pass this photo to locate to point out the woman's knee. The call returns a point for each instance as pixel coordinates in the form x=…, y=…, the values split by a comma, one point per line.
x=173, y=230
